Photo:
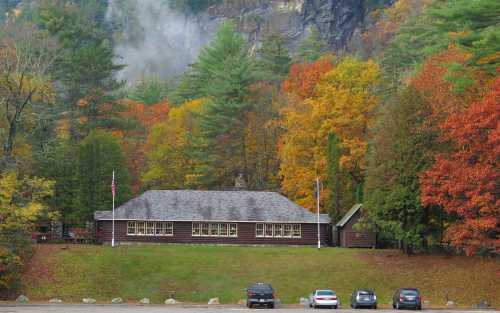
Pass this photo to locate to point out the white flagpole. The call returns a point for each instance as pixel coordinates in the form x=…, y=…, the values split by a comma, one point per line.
x=317, y=205
x=113, y=227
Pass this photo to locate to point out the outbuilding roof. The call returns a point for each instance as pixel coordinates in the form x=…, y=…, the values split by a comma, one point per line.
x=349, y=215
x=197, y=205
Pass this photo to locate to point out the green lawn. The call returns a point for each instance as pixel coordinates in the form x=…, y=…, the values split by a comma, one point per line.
x=197, y=273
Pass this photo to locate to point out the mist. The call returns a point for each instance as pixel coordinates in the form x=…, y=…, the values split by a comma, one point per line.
x=156, y=41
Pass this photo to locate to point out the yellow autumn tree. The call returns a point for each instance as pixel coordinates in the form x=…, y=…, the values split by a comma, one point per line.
x=341, y=104
x=170, y=164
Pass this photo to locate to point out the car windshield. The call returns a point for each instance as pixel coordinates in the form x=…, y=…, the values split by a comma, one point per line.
x=261, y=288
x=365, y=293
x=409, y=292
x=325, y=293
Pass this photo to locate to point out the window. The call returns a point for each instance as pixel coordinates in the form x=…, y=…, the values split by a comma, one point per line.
x=214, y=229
x=169, y=228
x=196, y=229
x=160, y=228
x=287, y=230
x=204, y=229
x=259, y=230
x=233, y=230
x=141, y=228
x=268, y=230
x=278, y=230
x=296, y=231
x=131, y=228
x=150, y=228
x=223, y=231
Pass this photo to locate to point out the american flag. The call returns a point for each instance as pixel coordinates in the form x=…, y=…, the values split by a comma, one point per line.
x=113, y=186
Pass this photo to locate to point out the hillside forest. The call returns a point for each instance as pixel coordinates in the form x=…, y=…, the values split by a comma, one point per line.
x=408, y=124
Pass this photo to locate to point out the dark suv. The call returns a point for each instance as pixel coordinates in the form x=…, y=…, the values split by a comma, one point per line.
x=260, y=294
x=407, y=298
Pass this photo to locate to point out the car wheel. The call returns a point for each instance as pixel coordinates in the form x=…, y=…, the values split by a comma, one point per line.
x=271, y=305
x=335, y=307
x=374, y=307
x=419, y=307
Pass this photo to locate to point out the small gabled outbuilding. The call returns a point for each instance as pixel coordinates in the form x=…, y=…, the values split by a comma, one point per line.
x=348, y=236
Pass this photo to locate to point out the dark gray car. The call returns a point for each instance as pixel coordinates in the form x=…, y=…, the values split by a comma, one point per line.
x=363, y=298
x=407, y=298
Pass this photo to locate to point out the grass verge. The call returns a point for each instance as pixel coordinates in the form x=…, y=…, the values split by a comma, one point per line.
x=197, y=273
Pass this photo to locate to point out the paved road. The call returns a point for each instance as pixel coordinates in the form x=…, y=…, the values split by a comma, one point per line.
x=164, y=309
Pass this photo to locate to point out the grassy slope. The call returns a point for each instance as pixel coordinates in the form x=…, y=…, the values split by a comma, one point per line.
x=197, y=273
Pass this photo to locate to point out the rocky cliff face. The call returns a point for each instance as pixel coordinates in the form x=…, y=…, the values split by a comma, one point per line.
x=163, y=42
x=336, y=20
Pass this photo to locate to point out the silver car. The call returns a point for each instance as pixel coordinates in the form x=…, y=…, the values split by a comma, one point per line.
x=324, y=298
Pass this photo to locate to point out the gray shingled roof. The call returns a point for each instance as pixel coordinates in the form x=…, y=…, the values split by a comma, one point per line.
x=194, y=205
x=349, y=214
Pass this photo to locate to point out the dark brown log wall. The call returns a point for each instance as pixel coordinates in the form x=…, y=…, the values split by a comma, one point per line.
x=349, y=237
x=182, y=234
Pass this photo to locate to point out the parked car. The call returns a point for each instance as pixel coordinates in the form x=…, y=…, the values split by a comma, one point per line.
x=407, y=298
x=324, y=298
x=261, y=294
x=363, y=298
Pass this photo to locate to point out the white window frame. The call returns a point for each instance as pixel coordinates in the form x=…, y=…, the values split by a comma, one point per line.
x=294, y=228
x=231, y=228
x=130, y=225
x=268, y=227
x=290, y=230
x=169, y=229
x=204, y=226
x=213, y=230
x=159, y=226
x=277, y=230
x=225, y=232
x=196, y=229
x=150, y=228
x=259, y=230
x=141, y=225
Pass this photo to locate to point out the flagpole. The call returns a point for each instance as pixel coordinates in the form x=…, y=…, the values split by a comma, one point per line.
x=317, y=206
x=113, y=227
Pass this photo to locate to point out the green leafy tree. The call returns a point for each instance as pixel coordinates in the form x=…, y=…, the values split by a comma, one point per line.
x=56, y=161
x=224, y=72
x=312, y=47
x=472, y=26
x=400, y=151
x=99, y=154
x=150, y=91
x=275, y=60
x=85, y=65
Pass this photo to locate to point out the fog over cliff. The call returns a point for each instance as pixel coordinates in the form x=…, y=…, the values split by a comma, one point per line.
x=154, y=39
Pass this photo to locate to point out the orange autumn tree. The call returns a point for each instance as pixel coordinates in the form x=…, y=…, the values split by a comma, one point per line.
x=296, y=145
x=142, y=118
x=340, y=104
x=465, y=182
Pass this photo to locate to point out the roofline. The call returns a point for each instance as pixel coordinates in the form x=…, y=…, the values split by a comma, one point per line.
x=208, y=221
x=355, y=208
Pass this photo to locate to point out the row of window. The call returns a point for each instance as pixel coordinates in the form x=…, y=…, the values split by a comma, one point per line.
x=214, y=229
x=144, y=228
x=140, y=228
x=278, y=230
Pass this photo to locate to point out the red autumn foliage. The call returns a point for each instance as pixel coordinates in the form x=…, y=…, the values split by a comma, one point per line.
x=466, y=181
x=437, y=91
x=303, y=77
